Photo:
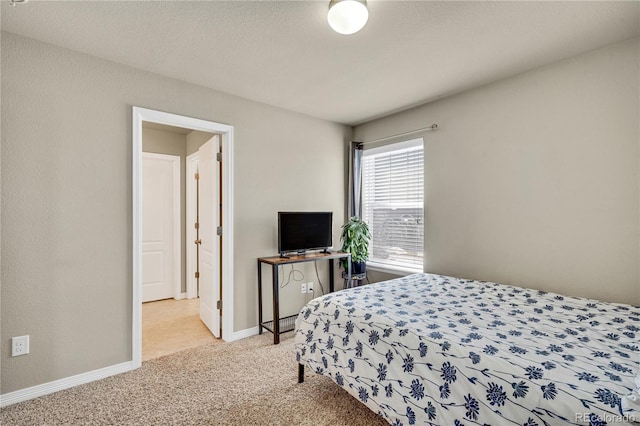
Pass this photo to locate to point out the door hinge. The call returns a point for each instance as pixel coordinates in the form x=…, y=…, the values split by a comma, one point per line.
x=196, y=176
x=219, y=156
x=219, y=304
x=197, y=274
x=197, y=225
x=219, y=230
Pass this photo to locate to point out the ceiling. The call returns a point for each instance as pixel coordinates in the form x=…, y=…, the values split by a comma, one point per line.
x=284, y=53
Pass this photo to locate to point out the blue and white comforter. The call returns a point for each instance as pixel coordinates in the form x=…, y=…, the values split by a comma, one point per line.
x=436, y=350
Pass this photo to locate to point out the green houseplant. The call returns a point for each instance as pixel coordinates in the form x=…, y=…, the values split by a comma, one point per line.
x=355, y=239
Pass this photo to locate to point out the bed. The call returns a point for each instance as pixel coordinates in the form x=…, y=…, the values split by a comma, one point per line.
x=435, y=350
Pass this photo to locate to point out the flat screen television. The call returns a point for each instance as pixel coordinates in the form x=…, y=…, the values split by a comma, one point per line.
x=301, y=231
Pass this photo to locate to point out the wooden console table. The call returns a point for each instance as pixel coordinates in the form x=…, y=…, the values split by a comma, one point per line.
x=281, y=325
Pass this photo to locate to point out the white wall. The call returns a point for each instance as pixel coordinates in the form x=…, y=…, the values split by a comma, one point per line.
x=66, y=199
x=535, y=180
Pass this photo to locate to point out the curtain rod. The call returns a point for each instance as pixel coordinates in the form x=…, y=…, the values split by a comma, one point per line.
x=432, y=127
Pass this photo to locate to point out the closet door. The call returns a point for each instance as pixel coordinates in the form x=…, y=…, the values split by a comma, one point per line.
x=160, y=226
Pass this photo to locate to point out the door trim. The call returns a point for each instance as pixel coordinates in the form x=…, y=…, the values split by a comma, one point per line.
x=191, y=196
x=226, y=131
x=177, y=216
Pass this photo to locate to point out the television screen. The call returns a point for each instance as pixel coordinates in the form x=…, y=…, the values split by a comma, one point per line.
x=299, y=231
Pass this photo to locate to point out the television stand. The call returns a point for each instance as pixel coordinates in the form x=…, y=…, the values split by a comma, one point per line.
x=281, y=325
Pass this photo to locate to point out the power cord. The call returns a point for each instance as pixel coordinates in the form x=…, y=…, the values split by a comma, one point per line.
x=296, y=275
x=290, y=276
x=315, y=264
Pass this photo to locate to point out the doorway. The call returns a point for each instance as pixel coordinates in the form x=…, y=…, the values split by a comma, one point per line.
x=217, y=286
x=171, y=313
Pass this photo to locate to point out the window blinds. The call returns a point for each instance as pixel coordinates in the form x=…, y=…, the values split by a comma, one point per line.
x=393, y=204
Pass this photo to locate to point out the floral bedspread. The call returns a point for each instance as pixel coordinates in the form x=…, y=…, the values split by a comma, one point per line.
x=436, y=350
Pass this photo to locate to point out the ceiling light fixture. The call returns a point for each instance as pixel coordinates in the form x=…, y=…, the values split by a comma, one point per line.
x=14, y=2
x=347, y=16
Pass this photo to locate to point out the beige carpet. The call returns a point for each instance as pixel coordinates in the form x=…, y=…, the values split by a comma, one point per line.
x=247, y=382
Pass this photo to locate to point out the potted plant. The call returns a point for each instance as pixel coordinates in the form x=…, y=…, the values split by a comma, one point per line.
x=355, y=239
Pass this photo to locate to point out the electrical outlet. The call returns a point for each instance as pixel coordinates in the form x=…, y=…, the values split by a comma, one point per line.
x=303, y=288
x=19, y=345
x=310, y=287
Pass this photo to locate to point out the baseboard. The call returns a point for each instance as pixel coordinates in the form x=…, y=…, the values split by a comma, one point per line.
x=90, y=376
x=237, y=335
x=181, y=296
x=61, y=384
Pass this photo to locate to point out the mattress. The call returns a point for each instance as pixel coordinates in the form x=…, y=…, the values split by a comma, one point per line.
x=437, y=350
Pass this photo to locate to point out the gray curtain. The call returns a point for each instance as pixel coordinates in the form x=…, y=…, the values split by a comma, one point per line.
x=355, y=178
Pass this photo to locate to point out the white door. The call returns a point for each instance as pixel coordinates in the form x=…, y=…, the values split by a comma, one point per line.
x=209, y=218
x=160, y=223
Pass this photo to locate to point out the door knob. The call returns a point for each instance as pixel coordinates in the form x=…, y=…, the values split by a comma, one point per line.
x=198, y=241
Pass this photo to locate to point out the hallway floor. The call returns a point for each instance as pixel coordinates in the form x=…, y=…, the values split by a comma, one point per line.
x=170, y=326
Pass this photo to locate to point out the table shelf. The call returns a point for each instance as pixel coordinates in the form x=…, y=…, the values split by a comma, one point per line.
x=286, y=324
x=279, y=325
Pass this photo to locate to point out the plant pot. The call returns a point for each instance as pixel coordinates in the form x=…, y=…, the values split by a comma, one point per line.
x=358, y=268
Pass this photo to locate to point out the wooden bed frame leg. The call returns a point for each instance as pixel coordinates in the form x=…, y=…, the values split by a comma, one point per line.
x=300, y=373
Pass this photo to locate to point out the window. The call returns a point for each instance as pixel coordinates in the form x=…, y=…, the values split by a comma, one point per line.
x=393, y=204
